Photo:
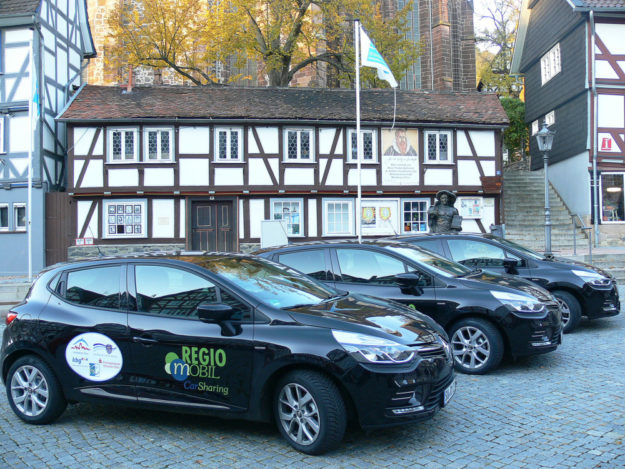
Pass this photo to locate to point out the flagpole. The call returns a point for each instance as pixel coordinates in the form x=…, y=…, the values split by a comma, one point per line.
x=29, y=226
x=359, y=198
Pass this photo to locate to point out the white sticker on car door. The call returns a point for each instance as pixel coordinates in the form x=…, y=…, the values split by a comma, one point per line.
x=94, y=356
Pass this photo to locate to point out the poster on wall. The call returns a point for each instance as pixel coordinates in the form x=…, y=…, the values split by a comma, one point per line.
x=380, y=217
x=400, y=160
x=470, y=207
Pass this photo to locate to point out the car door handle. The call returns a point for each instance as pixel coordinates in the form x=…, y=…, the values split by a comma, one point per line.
x=144, y=340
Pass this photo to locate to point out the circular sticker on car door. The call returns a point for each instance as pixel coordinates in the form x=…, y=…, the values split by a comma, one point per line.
x=94, y=356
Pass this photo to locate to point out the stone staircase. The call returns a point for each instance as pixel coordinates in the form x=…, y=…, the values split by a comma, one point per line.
x=11, y=293
x=524, y=213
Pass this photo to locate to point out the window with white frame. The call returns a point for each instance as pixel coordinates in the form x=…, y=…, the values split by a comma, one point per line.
x=438, y=146
x=415, y=215
x=299, y=145
x=4, y=217
x=158, y=144
x=122, y=145
x=612, y=197
x=125, y=219
x=228, y=144
x=550, y=64
x=291, y=212
x=535, y=127
x=338, y=217
x=368, y=146
x=19, y=217
x=550, y=118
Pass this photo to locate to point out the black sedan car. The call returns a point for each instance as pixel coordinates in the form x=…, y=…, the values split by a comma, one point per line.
x=226, y=335
x=483, y=313
x=581, y=289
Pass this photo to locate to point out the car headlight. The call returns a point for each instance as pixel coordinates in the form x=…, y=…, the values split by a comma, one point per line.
x=593, y=278
x=521, y=303
x=373, y=349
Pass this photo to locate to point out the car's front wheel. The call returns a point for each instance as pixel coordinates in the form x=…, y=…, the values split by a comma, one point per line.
x=477, y=346
x=570, y=308
x=310, y=412
x=33, y=391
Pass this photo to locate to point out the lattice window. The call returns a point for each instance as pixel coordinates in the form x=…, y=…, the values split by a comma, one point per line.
x=368, y=143
x=122, y=145
x=438, y=147
x=158, y=144
x=228, y=147
x=299, y=145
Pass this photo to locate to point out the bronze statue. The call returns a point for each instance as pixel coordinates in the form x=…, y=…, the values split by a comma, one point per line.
x=443, y=217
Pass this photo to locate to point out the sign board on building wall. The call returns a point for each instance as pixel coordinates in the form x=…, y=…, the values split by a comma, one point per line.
x=380, y=217
x=470, y=207
x=400, y=159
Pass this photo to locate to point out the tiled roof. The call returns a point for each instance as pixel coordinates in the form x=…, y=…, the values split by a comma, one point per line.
x=17, y=7
x=599, y=4
x=268, y=104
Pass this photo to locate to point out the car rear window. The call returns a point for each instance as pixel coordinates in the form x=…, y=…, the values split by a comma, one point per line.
x=97, y=286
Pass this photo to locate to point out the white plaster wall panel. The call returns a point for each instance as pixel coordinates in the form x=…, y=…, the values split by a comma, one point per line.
x=15, y=57
x=612, y=36
x=61, y=65
x=611, y=111
x=12, y=36
x=489, y=168
x=82, y=209
x=299, y=176
x=269, y=139
x=312, y=218
x=83, y=136
x=50, y=98
x=18, y=127
x=607, y=144
x=158, y=177
x=323, y=162
x=575, y=196
x=228, y=176
x=21, y=165
x=470, y=226
x=326, y=137
x=194, y=140
x=463, y=144
x=274, y=164
x=123, y=177
x=50, y=165
x=252, y=148
x=438, y=177
x=483, y=142
x=257, y=214
x=49, y=140
x=162, y=218
x=94, y=176
x=368, y=177
x=258, y=174
x=193, y=171
x=488, y=212
x=183, y=218
x=241, y=221
x=61, y=24
x=48, y=34
x=605, y=70
x=49, y=63
x=74, y=58
x=468, y=173
x=335, y=175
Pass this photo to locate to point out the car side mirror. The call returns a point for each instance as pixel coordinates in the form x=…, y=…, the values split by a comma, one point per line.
x=410, y=283
x=214, y=312
x=510, y=265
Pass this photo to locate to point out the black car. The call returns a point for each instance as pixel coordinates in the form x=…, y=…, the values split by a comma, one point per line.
x=581, y=289
x=227, y=335
x=483, y=313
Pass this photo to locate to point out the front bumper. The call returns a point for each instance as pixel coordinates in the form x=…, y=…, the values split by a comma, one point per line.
x=600, y=302
x=533, y=336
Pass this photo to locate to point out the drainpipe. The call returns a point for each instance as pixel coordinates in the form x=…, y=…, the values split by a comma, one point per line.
x=595, y=139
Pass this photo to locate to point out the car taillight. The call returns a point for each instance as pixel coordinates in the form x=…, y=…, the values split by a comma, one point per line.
x=10, y=316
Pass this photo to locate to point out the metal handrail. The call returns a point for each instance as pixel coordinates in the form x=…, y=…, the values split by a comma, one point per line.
x=583, y=227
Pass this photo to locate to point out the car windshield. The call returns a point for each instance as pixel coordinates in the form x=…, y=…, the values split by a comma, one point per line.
x=269, y=283
x=518, y=247
x=434, y=262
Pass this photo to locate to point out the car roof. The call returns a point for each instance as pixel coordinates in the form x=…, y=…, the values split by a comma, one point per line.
x=377, y=243
x=441, y=235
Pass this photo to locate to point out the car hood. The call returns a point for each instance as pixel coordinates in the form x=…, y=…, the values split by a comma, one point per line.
x=570, y=264
x=368, y=315
x=487, y=280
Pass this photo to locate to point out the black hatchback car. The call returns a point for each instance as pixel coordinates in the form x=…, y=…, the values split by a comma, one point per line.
x=227, y=335
x=483, y=313
x=581, y=289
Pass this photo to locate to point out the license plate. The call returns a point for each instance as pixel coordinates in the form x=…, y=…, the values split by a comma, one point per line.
x=449, y=392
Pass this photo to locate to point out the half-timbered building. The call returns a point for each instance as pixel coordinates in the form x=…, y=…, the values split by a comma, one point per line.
x=572, y=54
x=201, y=168
x=54, y=37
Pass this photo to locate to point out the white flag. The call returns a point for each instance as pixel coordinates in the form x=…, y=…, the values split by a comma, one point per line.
x=370, y=57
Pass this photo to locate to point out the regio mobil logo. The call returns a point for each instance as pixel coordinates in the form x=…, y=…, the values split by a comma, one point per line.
x=196, y=362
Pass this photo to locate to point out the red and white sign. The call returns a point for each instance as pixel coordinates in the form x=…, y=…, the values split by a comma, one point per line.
x=606, y=144
x=84, y=241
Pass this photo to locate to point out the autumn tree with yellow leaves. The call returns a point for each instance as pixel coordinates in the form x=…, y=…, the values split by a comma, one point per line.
x=285, y=36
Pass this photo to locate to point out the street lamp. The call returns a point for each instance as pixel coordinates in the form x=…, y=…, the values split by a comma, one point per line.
x=544, y=137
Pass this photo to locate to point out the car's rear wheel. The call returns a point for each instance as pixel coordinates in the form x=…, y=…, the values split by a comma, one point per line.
x=33, y=391
x=476, y=345
x=310, y=412
x=570, y=308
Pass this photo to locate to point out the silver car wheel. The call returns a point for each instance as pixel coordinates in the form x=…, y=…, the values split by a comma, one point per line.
x=566, y=312
x=471, y=348
x=299, y=414
x=29, y=391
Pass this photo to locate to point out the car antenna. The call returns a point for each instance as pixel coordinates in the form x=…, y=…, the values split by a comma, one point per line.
x=100, y=253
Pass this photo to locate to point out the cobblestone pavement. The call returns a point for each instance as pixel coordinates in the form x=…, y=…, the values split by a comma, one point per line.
x=563, y=409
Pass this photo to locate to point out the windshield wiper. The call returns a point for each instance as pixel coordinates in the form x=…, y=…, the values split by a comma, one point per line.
x=301, y=305
x=342, y=294
x=466, y=274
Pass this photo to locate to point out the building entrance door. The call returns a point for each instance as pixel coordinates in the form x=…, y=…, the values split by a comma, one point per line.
x=212, y=226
